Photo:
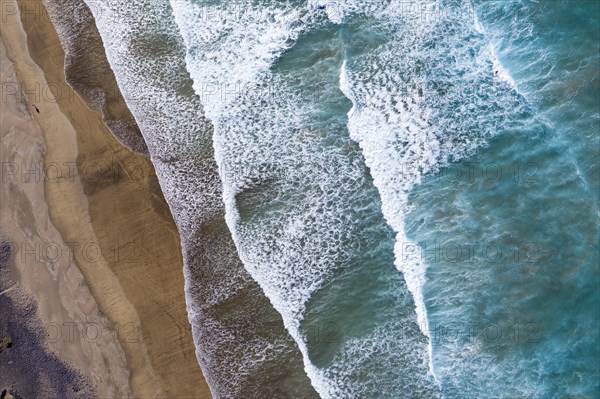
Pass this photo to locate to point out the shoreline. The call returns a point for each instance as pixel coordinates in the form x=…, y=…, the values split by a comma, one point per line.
x=107, y=200
x=234, y=324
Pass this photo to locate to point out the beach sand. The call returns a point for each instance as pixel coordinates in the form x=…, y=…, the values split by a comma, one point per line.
x=88, y=240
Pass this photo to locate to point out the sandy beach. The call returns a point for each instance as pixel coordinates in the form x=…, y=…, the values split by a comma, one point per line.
x=91, y=268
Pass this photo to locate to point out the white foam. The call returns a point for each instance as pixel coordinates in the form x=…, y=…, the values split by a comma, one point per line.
x=240, y=42
x=388, y=171
x=500, y=72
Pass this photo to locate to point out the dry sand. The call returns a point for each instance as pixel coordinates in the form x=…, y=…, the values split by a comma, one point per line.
x=118, y=273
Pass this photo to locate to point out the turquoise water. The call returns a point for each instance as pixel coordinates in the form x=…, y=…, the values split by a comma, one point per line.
x=523, y=323
x=413, y=187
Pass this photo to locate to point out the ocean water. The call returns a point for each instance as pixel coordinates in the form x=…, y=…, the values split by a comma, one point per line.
x=512, y=231
x=410, y=189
